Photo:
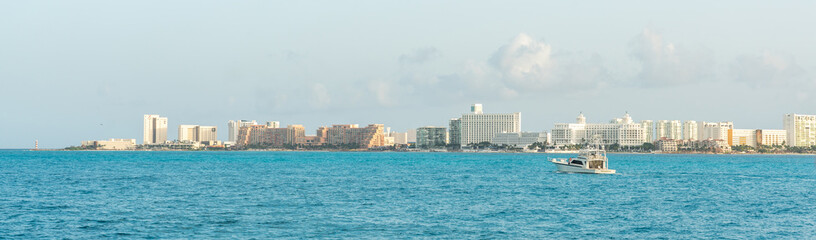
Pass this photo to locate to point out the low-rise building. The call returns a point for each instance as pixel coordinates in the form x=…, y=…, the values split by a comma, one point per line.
x=178, y=145
x=666, y=145
x=756, y=137
x=742, y=137
x=714, y=145
x=310, y=141
x=519, y=139
x=771, y=137
x=212, y=143
x=112, y=144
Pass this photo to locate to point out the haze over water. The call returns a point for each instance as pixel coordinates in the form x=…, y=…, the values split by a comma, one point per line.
x=401, y=195
x=73, y=71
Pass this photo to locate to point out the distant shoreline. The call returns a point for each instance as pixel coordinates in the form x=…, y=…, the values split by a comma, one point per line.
x=391, y=151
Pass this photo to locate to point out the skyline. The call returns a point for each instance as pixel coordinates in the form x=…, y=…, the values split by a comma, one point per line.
x=405, y=65
x=654, y=128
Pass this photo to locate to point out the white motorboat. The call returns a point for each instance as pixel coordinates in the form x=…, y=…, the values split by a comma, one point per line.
x=591, y=159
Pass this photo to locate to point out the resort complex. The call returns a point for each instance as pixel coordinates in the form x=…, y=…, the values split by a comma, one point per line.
x=478, y=130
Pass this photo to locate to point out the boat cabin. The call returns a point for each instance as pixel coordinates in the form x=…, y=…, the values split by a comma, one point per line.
x=590, y=158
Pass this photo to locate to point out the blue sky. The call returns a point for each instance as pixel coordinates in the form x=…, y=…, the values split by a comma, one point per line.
x=81, y=70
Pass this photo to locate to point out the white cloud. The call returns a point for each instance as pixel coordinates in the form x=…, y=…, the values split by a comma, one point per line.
x=524, y=62
x=664, y=63
x=529, y=65
x=522, y=66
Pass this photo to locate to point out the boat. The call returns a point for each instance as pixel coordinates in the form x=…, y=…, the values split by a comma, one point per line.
x=591, y=159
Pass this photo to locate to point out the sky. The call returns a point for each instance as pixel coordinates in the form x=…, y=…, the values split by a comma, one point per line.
x=88, y=70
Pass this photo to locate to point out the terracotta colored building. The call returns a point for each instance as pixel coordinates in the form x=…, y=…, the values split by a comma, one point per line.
x=346, y=134
x=276, y=137
x=342, y=134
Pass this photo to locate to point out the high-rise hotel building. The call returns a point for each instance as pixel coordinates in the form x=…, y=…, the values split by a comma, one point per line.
x=477, y=126
x=690, y=131
x=155, y=129
x=344, y=134
x=648, y=130
x=669, y=129
x=801, y=130
x=235, y=126
x=263, y=135
x=714, y=130
x=430, y=137
x=455, y=132
x=196, y=133
x=622, y=131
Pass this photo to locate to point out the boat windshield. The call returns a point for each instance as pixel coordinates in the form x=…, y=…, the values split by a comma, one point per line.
x=577, y=162
x=593, y=154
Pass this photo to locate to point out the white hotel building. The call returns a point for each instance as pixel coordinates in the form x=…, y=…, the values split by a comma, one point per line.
x=622, y=131
x=155, y=129
x=196, y=133
x=477, y=126
x=714, y=130
x=771, y=137
x=648, y=130
x=801, y=130
x=669, y=129
x=690, y=131
x=756, y=137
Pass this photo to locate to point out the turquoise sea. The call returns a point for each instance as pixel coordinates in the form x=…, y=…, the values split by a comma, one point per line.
x=92, y=195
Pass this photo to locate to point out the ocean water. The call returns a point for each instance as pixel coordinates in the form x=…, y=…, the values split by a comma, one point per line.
x=91, y=195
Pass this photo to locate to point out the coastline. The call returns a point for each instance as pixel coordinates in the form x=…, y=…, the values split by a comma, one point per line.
x=392, y=151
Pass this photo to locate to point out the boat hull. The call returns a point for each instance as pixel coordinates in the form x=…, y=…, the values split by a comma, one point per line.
x=577, y=169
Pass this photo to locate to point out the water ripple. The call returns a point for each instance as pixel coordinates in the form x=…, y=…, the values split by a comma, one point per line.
x=261, y=195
